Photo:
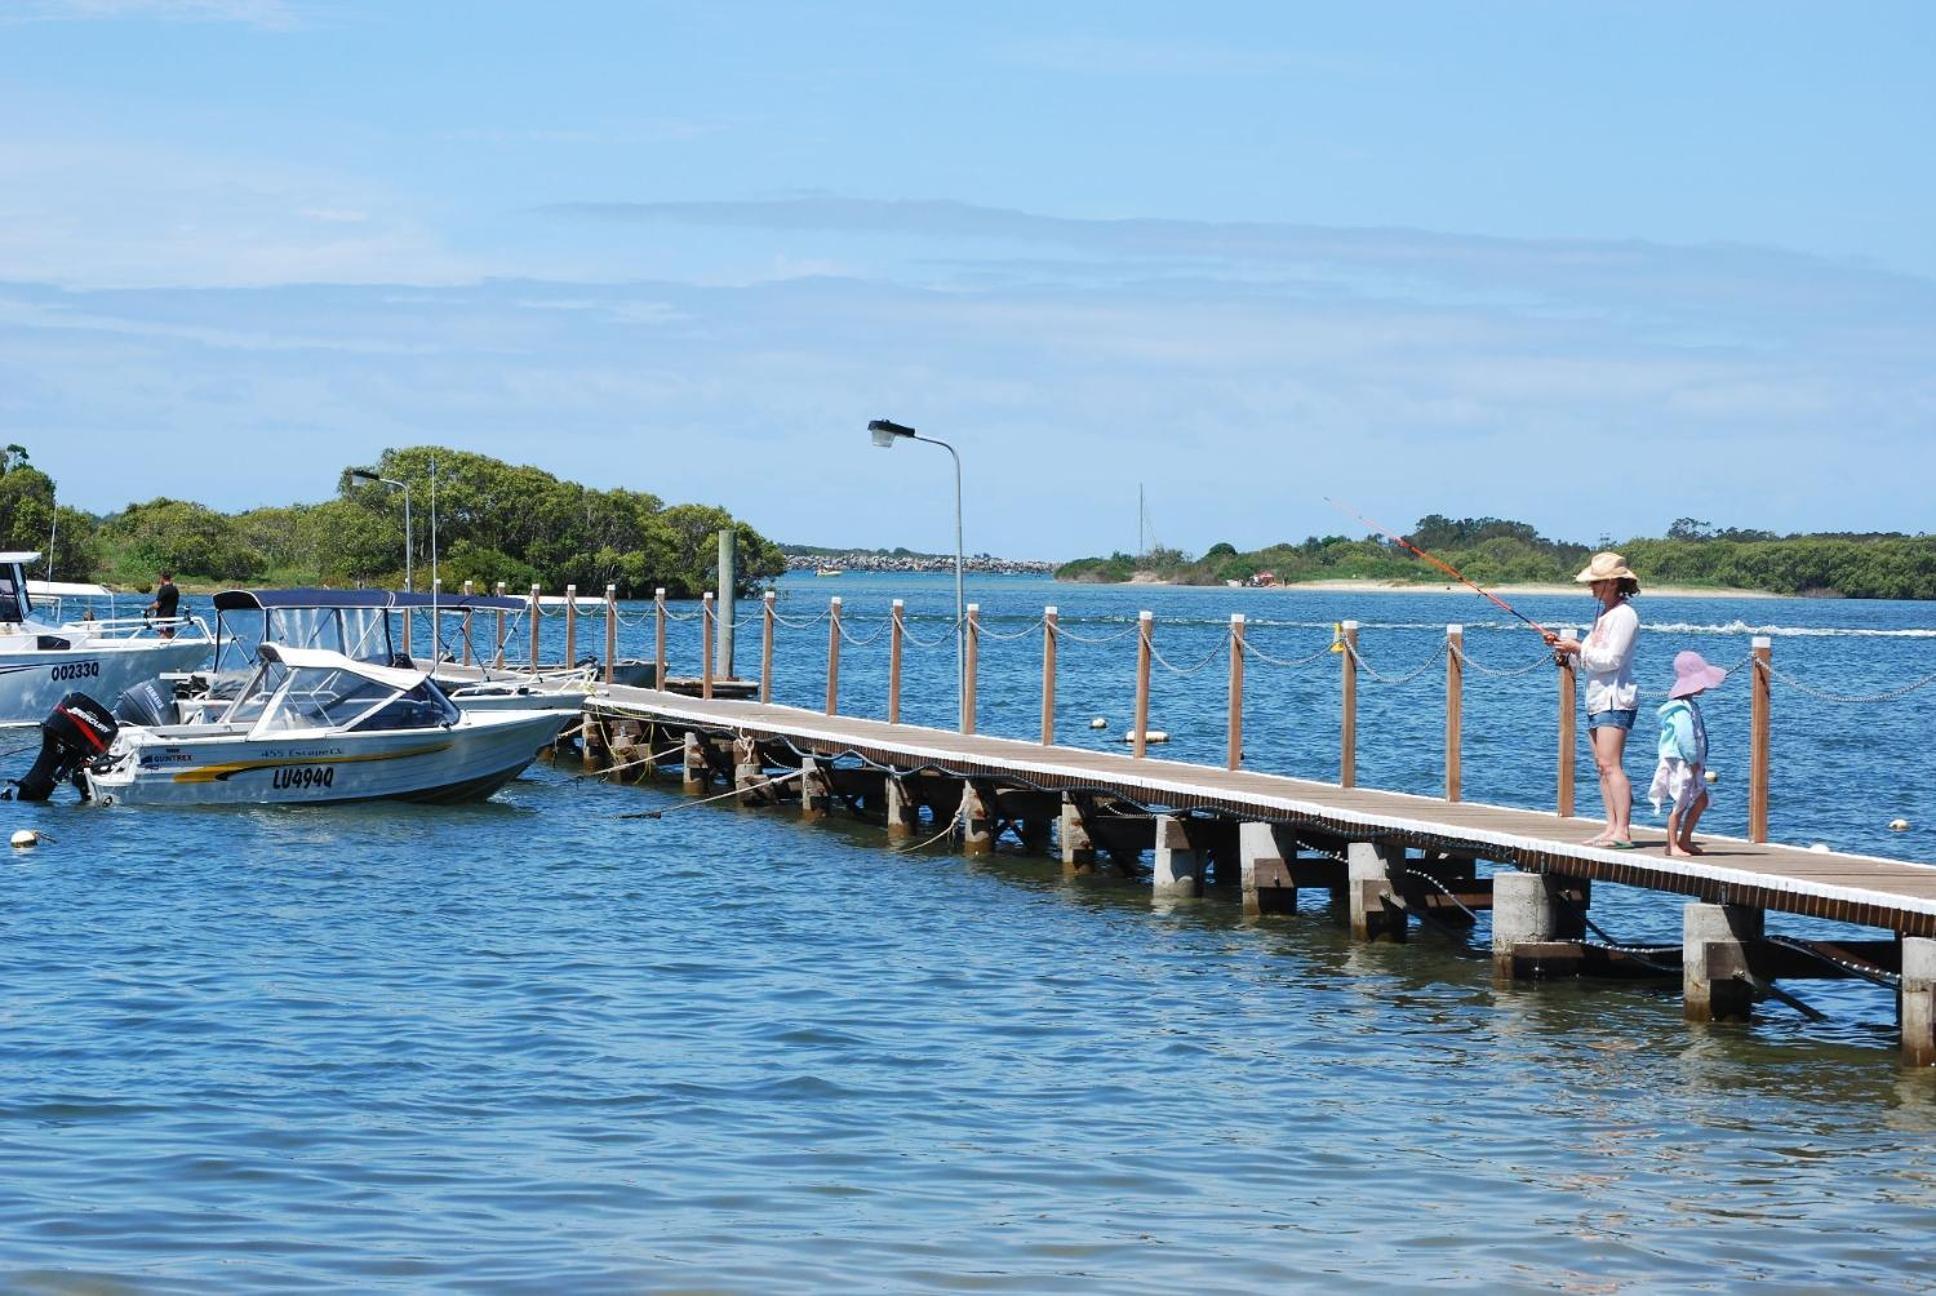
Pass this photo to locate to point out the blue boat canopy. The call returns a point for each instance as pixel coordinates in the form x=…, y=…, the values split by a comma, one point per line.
x=242, y=600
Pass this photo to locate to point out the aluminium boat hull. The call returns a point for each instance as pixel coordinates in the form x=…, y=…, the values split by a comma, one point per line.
x=33, y=680
x=187, y=765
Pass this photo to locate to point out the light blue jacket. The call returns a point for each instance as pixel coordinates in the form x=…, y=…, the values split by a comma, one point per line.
x=1683, y=733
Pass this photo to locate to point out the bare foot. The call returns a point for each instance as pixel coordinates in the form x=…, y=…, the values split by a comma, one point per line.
x=1689, y=848
x=1675, y=850
x=1598, y=839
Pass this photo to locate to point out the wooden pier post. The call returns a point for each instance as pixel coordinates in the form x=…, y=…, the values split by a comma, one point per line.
x=895, y=628
x=1454, y=709
x=571, y=626
x=658, y=638
x=1348, y=723
x=1049, y=623
x=1715, y=940
x=1234, y=755
x=1078, y=849
x=537, y=615
x=1375, y=915
x=1762, y=651
x=706, y=644
x=497, y=658
x=977, y=824
x=611, y=631
x=833, y=655
x=1569, y=727
x=816, y=791
x=766, y=645
x=694, y=773
x=1531, y=909
x=1139, y=736
x=1268, y=884
x=971, y=668
x=1179, y=866
x=1917, y=1014
x=903, y=810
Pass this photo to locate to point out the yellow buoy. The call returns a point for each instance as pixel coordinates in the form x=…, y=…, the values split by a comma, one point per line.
x=1337, y=636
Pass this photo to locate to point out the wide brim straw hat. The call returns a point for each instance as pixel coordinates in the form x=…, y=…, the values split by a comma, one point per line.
x=1605, y=566
x=1692, y=674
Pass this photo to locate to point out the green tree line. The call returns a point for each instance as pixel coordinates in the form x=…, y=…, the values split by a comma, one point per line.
x=1496, y=551
x=495, y=522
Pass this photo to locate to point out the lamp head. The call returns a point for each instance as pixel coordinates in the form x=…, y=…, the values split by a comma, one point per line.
x=886, y=430
x=363, y=474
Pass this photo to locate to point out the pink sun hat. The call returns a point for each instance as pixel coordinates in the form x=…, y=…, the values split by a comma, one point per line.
x=1692, y=674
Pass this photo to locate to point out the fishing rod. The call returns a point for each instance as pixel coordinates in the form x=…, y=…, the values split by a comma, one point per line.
x=1442, y=565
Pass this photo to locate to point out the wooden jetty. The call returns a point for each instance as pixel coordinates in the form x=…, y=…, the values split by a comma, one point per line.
x=1385, y=857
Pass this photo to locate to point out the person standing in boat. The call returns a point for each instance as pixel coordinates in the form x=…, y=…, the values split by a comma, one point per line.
x=167, y=599
x=1612, y=697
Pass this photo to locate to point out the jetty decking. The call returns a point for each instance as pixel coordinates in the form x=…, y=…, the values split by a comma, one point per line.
x=1388, y=856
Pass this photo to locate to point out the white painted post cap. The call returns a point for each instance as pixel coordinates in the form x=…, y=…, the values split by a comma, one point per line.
x=1762, y=641
x=1453, y=630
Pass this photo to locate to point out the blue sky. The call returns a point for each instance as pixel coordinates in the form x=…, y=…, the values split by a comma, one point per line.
x=1592, y=265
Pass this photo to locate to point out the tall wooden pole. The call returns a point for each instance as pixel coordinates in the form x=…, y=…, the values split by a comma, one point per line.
x=894, y=629
x=833, y=655
x=658, y=638
x=1454, y=709
x=706, y=645
x=1760, y=706
x=1139, y=736
x=1348, y=724
x=971, y=668
x=497, y=659
x=1569, y=727
x=571, y=626
x=1234, y=757
x=611, y=631
x=1050, y=619
x=537, y=614
x=766, y=646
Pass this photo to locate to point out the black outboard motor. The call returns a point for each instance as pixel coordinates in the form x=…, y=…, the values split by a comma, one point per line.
x=80, y=730
x=149, y=704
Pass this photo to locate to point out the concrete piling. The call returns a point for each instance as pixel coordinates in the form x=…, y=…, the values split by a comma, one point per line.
x=1917, y=1010
x=693, y=769
x=1179, y=865
x=1716, y=940
x=1078, y=850
x=749, y=774
x=977, y=824
x=1531, y=911
x=1375, y=911
x=816, y=790
x=1264, y=870
x=903, y=810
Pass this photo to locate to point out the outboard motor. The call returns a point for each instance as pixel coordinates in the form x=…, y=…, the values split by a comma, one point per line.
x=149, y=705
x=80, y=730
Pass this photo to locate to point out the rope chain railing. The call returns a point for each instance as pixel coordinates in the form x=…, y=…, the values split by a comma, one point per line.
x=1025, y=632
x=1215, y=654
x=1850, y=699
x=1502, y=672
x=1063, y=632
x=1401, y=680
x=800, y=623
x=861, y=641
x=1253, y=651
x=914, y=640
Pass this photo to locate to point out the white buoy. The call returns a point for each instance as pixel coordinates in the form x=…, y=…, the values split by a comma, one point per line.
x=1820, y=848
x=1099, y=723
x=24, y=838
x=1149, y=736
x=1898, y=825
x=1711, y=776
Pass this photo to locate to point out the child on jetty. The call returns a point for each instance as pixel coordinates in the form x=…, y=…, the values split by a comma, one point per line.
x=1683, y=751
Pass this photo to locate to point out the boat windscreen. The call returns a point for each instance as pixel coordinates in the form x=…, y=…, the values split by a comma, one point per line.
x=325, y=697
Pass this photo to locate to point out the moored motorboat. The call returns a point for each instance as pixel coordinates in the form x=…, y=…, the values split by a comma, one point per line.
x=40, y=661
x=314, y=726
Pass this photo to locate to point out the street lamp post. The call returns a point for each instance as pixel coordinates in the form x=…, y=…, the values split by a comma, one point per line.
x=886, y=433
x=364, y=474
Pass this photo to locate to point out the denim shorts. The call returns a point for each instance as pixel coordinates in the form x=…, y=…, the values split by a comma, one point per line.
x=1611, y=720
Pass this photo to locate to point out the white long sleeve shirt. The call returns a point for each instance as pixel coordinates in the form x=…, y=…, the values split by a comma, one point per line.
x=1606, y=655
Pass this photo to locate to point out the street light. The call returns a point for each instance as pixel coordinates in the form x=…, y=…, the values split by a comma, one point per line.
x=886, y=433
x=364, y=474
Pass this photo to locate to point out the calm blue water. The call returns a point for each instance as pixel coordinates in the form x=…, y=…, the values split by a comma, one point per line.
x=532, y=1046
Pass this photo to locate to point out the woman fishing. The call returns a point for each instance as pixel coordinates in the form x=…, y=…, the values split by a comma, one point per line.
x=1612, y=698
